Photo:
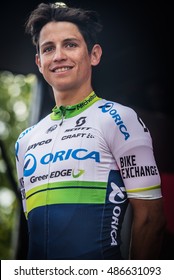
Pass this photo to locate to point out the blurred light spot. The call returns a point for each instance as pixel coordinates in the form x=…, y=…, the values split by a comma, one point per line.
x=14, y=90
x=6, y=197
x=2, y=128
x=2, y=166
x=20, y=109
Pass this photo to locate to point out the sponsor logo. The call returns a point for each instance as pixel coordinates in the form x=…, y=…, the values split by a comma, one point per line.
x=77, y=173
x=108, y=108
x=30, y=165
x=33, y=146
x=61, y=173
x=34, y=179
x=26, y=131
x=22, y=189
x=75, y=135
x=58, y=173
x=129, y=168
x=139, y=171
x=85, y=102
x=117, y=196
x=78, y=154
x=143, y=125
x=17, y=150
x=77, y=128
x=80, y=121
x=52, y=128
x=30, y=162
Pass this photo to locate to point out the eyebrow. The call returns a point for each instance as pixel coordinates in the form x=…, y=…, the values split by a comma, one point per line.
x=64, y=41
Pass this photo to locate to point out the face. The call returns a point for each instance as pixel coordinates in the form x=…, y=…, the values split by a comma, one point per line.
x=63, y=58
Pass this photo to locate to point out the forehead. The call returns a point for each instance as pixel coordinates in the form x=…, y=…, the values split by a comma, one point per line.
x=59, y=31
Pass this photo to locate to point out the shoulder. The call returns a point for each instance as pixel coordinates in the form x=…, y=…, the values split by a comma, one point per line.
x=120, y=115
x=121, y=122
x=29, y=131
x=27, y=135
x=115, y=110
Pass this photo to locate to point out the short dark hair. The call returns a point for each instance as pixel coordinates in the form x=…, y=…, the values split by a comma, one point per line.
x=87, y=21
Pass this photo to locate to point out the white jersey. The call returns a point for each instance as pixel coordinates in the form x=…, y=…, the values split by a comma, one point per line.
x=77, y=168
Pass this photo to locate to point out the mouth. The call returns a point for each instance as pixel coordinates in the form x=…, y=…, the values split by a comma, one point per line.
x=61, y=69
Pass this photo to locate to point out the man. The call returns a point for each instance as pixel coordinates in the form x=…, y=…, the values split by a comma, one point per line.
x=81, y=165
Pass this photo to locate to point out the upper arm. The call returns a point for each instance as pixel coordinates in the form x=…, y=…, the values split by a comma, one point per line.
x=147, y=210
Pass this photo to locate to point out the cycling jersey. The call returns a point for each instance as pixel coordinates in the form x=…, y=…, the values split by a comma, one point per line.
x=77, y=168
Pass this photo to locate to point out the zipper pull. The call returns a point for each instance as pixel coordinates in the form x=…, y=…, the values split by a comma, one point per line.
x=63, y=112
x=61, y=121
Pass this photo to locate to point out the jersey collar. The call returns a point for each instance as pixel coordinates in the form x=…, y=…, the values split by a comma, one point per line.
x=73, y=110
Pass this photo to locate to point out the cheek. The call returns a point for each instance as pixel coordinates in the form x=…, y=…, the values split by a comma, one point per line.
x=83, y=57
x=85, y=62
x=44, y=66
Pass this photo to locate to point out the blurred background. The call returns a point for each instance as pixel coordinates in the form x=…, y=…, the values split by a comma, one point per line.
x=136, y=70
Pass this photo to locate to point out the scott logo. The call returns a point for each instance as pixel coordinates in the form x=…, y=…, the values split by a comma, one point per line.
x=80, y=121
x=108, y=108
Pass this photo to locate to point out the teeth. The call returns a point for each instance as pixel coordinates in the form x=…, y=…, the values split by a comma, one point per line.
x=61, y=69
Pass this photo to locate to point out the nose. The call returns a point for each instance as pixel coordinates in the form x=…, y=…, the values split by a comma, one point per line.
x=59, y=54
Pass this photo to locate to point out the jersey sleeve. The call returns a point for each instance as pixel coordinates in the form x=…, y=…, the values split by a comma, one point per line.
x=19, y=170
x=131, y=144
x=20, y=149
x=140, y=173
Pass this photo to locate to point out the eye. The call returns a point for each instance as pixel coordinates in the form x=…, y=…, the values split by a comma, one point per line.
x=48, y=49
x=71, y=45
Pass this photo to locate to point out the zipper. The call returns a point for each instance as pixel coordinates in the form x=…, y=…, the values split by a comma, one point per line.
x=63, y=113
x=62, y=120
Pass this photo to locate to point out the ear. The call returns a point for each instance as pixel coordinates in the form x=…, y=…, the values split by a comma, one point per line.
x=96, y=54
x=38, y=62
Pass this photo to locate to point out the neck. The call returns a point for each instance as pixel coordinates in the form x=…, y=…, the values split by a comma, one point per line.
x=67, y=98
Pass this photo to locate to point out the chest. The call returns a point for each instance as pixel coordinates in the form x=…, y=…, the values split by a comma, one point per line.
x=73, y=149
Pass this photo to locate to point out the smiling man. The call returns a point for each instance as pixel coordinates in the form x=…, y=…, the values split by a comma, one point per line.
x=81, y=165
